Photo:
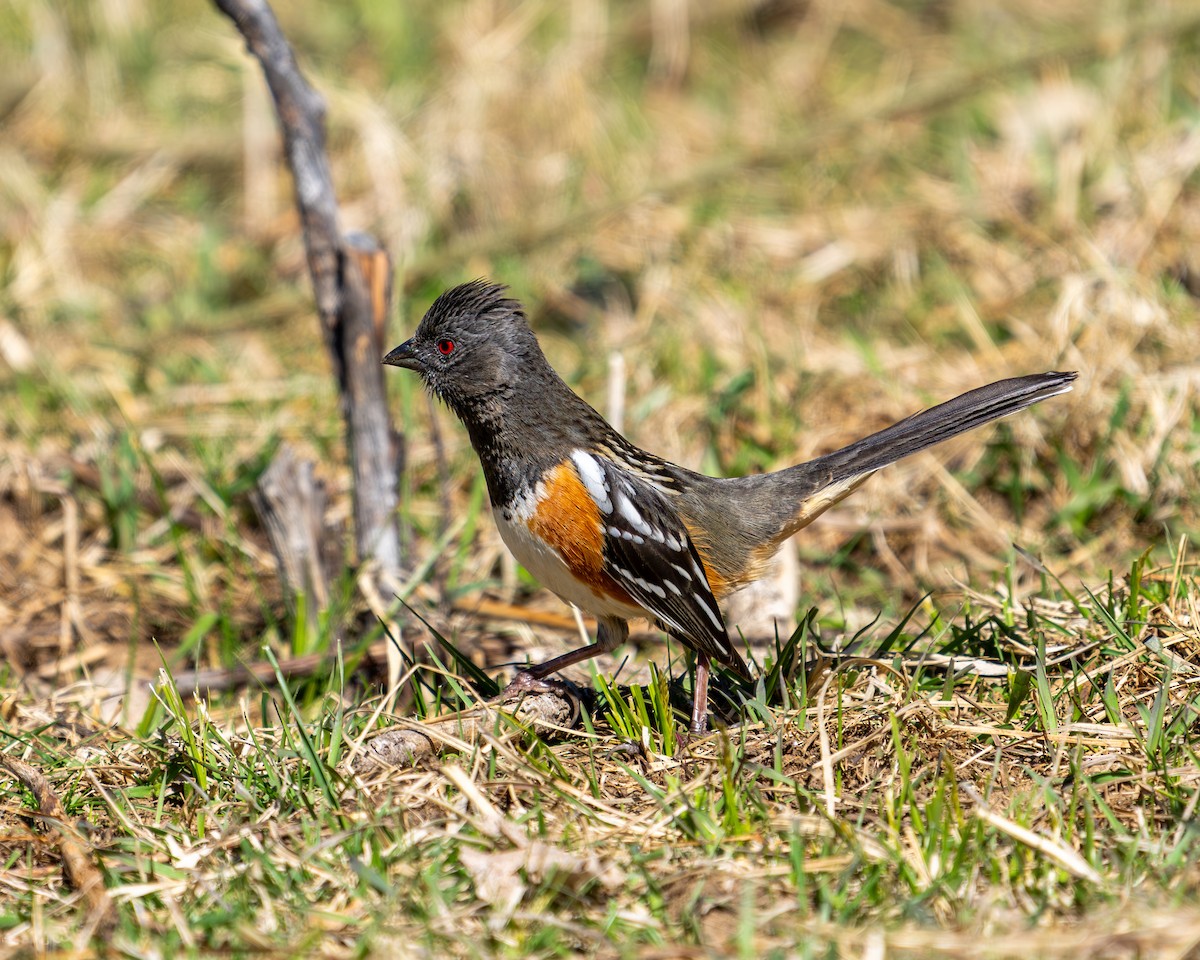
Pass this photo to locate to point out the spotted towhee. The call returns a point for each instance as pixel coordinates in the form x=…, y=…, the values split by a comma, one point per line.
x=615, y=530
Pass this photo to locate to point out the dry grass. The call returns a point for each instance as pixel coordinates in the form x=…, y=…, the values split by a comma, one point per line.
x=740, y=212
x=891, y=814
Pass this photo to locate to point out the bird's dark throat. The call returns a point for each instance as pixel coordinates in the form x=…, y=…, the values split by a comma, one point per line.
x=507, y=464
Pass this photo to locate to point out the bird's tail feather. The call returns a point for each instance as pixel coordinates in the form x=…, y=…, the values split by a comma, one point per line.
x=946, y=420
x=760, y=512
x=803, y=492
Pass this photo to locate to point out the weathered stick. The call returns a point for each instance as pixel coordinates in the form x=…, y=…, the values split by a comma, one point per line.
x=265, y=672
x=351, y=278
x=78, y=869
x=375, y=448
x=290, y=501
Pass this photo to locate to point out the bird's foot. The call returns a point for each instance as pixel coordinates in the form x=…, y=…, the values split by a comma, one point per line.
x=553, y=701
x=526, y=684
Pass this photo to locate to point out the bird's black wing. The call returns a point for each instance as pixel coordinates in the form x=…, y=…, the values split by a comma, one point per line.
x=647, y=550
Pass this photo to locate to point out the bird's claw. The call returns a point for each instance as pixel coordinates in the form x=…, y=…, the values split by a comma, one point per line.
x=525, y=684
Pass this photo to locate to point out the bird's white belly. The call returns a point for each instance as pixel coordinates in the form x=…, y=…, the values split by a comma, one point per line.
x=548, y=567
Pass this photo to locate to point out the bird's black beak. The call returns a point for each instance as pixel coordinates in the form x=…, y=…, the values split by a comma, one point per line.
x=405, y=355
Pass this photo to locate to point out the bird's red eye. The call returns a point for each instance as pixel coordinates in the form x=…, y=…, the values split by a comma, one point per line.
x=445, y=347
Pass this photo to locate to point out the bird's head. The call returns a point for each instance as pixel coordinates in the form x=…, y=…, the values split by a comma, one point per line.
x=472, y=348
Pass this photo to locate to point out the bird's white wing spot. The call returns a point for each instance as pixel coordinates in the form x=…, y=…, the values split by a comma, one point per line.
x=646, y=585
x=682, y=572
x=713, y=615
x=627, y=510
x=619, y=534
x=594, y=481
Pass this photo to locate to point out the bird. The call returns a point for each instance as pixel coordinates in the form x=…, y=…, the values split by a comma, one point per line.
x=616, y=530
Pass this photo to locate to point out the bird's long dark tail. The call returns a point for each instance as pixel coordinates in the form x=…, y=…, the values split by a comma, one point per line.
x=946, y=420
x=790, y=499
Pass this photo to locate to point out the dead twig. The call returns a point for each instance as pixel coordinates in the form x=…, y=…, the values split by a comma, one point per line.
x=351, y=276
x=290, y=501
x=264, y=672
x=78, y=869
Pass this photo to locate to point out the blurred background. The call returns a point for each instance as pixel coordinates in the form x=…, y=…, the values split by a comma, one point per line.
x=754, y=230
